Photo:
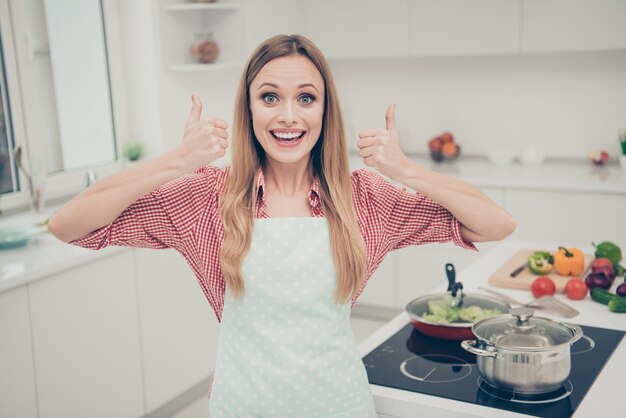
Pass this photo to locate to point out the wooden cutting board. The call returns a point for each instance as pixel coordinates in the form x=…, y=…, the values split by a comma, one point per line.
x=502, y=277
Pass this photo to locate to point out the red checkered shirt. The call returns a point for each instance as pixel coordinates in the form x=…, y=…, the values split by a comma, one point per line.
x=185, y=215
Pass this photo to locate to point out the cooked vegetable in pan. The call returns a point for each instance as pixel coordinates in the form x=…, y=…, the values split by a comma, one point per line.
x=441, y=311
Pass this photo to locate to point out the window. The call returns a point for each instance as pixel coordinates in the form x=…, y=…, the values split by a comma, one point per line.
x=57, y=101
x=8, y=175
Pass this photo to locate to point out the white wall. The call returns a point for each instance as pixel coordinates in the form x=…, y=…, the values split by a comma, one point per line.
x=569, y=103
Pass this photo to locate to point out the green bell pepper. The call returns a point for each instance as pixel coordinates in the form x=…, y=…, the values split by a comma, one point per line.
x=540, y=262
x=608, y=250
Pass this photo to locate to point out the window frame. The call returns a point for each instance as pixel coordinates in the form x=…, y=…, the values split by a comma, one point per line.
x=60, y=186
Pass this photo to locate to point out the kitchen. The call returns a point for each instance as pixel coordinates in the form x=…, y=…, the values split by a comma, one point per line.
x=511, y=87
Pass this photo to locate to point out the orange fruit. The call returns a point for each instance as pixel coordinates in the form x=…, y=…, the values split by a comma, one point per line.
x=449, y=149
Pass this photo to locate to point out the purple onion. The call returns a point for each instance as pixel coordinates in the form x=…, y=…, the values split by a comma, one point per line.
x=598, y=280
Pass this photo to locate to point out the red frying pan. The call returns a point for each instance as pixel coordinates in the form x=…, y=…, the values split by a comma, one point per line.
x=458, y=330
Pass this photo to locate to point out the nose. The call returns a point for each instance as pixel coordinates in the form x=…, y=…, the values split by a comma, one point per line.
x=287, y=113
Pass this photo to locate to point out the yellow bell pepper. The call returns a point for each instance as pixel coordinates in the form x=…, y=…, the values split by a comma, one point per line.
x=569, y=262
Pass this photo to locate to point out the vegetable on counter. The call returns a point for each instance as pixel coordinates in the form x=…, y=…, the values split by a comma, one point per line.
x=542, y=286
x=569, y=262
x=618, y=304
x=575, y=289
x=615, y=302
x=611, y=251
x=540, y=262
x=600, y=295
x=599, y=279
x=442, y=312
x=603, y=265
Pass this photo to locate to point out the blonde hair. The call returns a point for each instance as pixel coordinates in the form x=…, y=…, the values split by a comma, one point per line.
x=329, y=158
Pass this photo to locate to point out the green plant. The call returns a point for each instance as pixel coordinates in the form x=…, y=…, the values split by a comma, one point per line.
x=133, y=150
x=622, y=140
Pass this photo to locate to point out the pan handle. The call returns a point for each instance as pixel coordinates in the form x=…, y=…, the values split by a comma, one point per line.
x=455, y=288
x=470, y=345
x=451, y=274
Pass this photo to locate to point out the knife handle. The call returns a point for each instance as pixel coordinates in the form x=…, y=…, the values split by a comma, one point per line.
x=518, y=270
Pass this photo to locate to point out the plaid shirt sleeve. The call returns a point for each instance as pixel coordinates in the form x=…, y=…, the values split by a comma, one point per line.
x=164, y=218
x=403, y=217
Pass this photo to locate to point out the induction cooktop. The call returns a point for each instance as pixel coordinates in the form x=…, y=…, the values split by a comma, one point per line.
x=412, y=361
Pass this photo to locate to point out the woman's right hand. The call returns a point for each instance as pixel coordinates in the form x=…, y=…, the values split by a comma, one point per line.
x=204, y=140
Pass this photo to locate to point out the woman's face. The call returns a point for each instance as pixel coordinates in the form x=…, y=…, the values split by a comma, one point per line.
x=287, y=106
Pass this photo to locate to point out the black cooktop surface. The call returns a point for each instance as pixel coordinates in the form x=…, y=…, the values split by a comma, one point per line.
x=414, y=362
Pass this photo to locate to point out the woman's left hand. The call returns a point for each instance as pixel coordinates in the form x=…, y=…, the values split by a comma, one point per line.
x=380, y=148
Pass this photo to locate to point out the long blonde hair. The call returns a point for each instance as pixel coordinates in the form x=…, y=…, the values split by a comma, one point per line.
x=329, y=158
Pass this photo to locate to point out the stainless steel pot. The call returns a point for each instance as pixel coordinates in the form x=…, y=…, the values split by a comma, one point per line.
x=523, y=354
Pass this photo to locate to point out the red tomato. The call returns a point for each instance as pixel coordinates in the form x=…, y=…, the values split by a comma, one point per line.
x=542, y=286
x=576, y=289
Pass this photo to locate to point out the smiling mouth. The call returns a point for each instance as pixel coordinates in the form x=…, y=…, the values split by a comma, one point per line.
x=287, y=137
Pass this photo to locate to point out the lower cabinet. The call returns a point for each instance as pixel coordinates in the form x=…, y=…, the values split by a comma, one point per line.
x=178, y=327
x=85, y=331
x=18, y=397
x=116, y=337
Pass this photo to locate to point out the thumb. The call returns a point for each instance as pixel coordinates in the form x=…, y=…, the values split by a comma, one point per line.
x=196, y=108
x=390, y=118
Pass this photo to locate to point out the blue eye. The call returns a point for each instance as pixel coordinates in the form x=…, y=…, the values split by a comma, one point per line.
x=269, y=98
x=307, y=99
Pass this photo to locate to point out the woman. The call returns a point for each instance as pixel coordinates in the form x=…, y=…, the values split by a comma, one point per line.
x=282, y=242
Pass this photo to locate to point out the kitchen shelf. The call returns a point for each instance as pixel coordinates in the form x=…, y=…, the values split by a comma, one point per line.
x=188, y=7
x=182, y=21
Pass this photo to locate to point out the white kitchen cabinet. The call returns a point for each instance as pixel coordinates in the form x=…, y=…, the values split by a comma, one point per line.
x=567, y=217
x=18, y=397
x=359, y=28
x=461, y=27
x=86, y=341
x=181, y=21
x=573, y=25
x=178, y=327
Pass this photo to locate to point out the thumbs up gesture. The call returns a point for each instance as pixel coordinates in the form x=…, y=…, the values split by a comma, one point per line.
x=380, y=148
x=204, y=140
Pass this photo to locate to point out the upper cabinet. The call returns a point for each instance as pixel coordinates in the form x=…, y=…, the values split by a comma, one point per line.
x=461, y=27
x=359, y=28
x=573, y=25
x=396, y=28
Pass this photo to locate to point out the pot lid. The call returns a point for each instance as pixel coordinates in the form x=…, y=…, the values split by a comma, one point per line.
x=521, y=330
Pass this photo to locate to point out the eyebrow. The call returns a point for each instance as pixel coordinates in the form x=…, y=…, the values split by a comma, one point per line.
x=300, y=86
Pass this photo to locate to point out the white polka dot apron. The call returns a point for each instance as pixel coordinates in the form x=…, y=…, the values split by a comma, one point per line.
x=286, y=347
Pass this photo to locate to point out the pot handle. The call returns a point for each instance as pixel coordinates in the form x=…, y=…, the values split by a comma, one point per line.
x=470, y=345
x=576, y=330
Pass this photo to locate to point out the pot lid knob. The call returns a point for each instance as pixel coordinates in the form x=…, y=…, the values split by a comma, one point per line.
x=522, y=315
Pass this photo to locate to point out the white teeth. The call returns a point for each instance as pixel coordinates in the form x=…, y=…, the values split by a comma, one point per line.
x=287, y=135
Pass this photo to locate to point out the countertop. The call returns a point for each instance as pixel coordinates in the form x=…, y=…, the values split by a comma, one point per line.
x=43, y=255
x=552, y=175
x=605, y=395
